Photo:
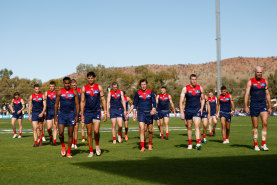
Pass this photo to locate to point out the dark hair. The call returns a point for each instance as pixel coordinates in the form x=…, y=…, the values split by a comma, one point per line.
x=124, y=92
x=36, y=85
x=143, y=80
x=53, y=83
x=211, y=91
x=114, y=83
x=223, y=88
x=66, y=78
x=16, y=94
x=163, y=87
x=91, y=74
x=192, y=75
x=73, y=81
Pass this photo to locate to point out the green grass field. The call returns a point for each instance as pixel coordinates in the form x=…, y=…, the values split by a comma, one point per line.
x=169, y=162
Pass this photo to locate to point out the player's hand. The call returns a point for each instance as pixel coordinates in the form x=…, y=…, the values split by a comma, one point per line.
x=182, y=115
x=269, y=111
x=40, y=115
x=209, y=116
x=18, y=112
x=14, y=111
x=125, y=114
x=175, y=115
x=76, y=119
x=246, y=109
x=105, y=117
x=134, y=118
x=201, y=111
x=232, y=113
x=153, y=112
x=82, y=117
x=56, y=119
x=30, y=119
x=108, y=114
x=217, y=116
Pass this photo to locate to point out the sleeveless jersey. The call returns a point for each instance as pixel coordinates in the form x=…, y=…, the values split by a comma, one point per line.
x=37, y=102
x=115, y=102
x=17, y=105
x=212, y=101
x=92, y=95
x=225, y=103
x=257, y=92
x=144, y=100
x=67, y=100
x=193, y=98
x=51, y=100
x=163, y=102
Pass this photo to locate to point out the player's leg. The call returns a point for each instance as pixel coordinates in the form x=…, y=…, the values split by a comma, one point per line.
x=75, y=135
x=13, y=127
x=161, y=121
x=126, y=124
x=210, y=125
x=49, y=129
x=228, y=127
x=142, y=135
x=35, y=134
x=189, y=126
x=205, y=128
x=54, y=132
x=197, y=124
x=41, y=128
x=166, y=122
x=96, y=126
x=89, y=139
x=83, y=131
x=20, y=127
x=70, y=130
x=119, y=134
x=42, y=131
x=223, y=128
x=113, y=120
x=255, y=123
x=150, y=131
x=264, y=117
x=61, y=137
x=215, y=123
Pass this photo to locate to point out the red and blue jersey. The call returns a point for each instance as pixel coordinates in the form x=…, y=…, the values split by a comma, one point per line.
x=212, y=101
x=163, y=102
x=37, y=102
x=257, y=92
x=17, y=105
x=115, y=102
x=51, y=100
x=144, y=100
x=92, y=95
x=225, y=103
x=193, y=98
x=126, y=102
x=67, y=101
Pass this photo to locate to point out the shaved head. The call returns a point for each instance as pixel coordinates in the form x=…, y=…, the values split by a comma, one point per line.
x=258, y=72
x=258, y=68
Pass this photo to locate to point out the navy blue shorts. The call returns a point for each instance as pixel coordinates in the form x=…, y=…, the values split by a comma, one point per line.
x=125, y=118
x=67, y=119
x=163, y=113
x=255, y=111
x=50, y=115
x=17, y=116
x=145, y=117
x=212, y=113
x=204, y=115
x=36, y=118
x=116, y=113
x=189, y=115
x=227, y=116
x=156, y=116
x=90, y=116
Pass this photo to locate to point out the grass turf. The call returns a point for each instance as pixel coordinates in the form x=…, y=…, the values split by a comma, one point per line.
x=169, y=162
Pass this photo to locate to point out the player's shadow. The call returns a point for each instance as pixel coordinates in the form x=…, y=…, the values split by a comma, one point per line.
x=181, y=146
x=190, y=170
x=216, y=141
x=183, y=134
x=241, y=146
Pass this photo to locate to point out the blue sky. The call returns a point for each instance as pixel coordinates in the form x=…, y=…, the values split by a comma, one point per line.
x=48, y=39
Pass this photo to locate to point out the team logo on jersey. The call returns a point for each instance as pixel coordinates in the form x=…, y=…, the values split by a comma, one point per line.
x=95, y=92
x=259, y=85
x=70, y=95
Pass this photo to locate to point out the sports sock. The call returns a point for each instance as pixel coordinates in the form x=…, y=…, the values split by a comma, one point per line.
x=150, y=142
x=36, y=142
x=224, y=139
x=211, y=134
x=166, y=134
x=190, y=142
x=96, y=143
x=204, y=136
x=90, y=149
x=14, y=132
x=54, y=141
x=214, y=129
x=264, y=133
x=63, y=145
x=114, y=138
x=50, y=136
x=198, y=141
x=20, y=134
x=75, y=142
x=227, y=137
x=162, y=135
x=142, y=144
x=68, y=150
x=40, y=140
x=126, y=131
x=42, y=135
x=255, y=143
x=83, y=137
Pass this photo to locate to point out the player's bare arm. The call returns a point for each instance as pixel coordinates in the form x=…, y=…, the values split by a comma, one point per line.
x=172, y=105
x=268, y=99
x=30, y=108
x=104, y=103
x=11, y=107
x=77, y=105
x=44, y=107
x=217, y=107
x=232, y=105
x=108, y=104
x=181, y=105
x=57, y=103
x=202, y=100
x=246, y=96
x=83, y=102
x=123, y=102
